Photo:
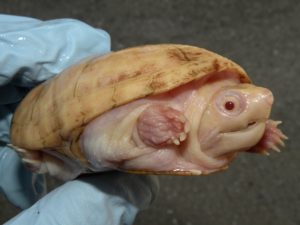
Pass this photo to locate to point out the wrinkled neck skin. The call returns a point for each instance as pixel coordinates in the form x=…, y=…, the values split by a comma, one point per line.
x=214, y=137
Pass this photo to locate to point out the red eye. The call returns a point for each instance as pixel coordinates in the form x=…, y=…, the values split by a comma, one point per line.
x=229, y=105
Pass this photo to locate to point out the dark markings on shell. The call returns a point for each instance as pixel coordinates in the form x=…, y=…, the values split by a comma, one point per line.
x=83, y=115
x=77, y=80
x=61, y=136
x=125, y=76
x=182, y=55
x=216, y=65
x=156, y=83
x=54, y=108
x=193, y=73
x=113, y=97
x=89, y=65
x=43, y=140
x=35, y=102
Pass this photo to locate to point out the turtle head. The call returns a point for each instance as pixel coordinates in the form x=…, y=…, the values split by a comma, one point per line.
x=235, y=119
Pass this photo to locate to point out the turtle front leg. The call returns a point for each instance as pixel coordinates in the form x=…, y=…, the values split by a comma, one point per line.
x=160, y=125
x=272, y=139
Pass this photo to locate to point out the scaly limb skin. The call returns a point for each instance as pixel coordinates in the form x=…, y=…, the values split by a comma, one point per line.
x=161, y=125
x=272, y=139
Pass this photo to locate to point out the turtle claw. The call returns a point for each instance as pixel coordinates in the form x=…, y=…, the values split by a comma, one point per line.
x=177, y=140
x=281, y=143
x=274, y=147
x=266, y=153
x=284, y=137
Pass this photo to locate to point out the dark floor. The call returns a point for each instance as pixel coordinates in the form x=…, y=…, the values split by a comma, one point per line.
x=264, y=37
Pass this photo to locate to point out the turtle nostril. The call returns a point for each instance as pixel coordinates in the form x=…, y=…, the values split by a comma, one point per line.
x=268, y=96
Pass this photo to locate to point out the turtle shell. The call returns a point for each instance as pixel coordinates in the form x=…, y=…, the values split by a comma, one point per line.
x=53, y=115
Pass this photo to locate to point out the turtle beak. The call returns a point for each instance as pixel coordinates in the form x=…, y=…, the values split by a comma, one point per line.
x=267, y=96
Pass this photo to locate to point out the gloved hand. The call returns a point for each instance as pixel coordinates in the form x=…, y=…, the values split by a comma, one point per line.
x=33, y=51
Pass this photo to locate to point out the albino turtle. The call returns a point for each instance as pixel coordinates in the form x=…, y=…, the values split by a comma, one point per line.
x=161, y=109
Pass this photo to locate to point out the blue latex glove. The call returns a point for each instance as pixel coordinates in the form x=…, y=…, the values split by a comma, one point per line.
x=33, y=51
x=20, y=186
x=111, y=198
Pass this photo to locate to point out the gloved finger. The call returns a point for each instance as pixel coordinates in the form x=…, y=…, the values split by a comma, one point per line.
x=13, y=23
x=104, y=199
x=32, y=51
x=21, y=187
x=5, y=118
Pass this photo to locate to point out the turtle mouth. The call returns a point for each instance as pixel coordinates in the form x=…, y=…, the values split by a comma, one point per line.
x=250, y=127
x=242, y=139
x=251, y=123
x=254, y=126
x=223, y=143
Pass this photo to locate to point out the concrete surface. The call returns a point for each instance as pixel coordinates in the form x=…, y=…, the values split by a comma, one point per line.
x=264, y=37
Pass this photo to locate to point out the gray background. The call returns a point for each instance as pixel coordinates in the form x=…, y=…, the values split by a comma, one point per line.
x=262, y=36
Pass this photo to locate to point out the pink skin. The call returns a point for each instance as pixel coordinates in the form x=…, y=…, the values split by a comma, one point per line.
x=195, y=129
x=160, y=125
x=271, y=139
